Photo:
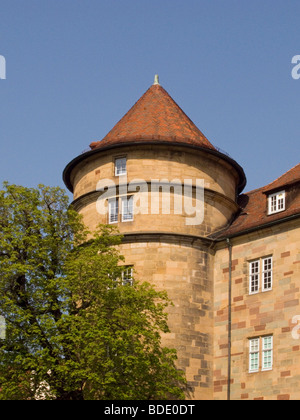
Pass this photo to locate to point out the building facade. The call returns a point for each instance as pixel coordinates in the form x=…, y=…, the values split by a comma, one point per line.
x=229, y=261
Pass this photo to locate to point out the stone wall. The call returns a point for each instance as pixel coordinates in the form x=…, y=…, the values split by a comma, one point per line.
x=163, y=249
x=161, y=162
x=260, y=314
x=183, y=268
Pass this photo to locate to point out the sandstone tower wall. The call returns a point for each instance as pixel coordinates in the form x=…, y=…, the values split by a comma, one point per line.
x=163, y=250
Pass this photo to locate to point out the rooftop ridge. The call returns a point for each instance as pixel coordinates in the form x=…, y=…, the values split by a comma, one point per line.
x=290, y=176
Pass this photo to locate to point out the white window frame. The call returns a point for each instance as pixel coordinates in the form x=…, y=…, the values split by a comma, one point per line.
x=260, y=275
x=261, y=354
x=113, y=210
x=127, y=275
x=276, y=202
x=254, y=350
x=127, y=209
x=254, y=277
x=267, y=353
x=120, y=166
x=267, y=274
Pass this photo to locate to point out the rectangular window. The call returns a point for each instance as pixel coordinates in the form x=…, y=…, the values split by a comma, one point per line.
x=254, y=355
x=120, y=166
x=127, y=209
x=113, y=209
x=127, y=276
x=276, y=202
x=126, y=204
x=254, y=277
x=267, y=353
x=267, y=274
x=261, y=346
x=261, y=275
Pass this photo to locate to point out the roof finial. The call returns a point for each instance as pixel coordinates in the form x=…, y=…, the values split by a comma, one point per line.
x=156, y=80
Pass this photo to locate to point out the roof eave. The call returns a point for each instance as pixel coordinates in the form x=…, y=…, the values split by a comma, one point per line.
x=71, y=165
x=256, y=228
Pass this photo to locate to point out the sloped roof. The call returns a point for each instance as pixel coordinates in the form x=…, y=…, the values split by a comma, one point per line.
x=254, y=208
x=154, y=119
x=155, y=116
x=288, y=178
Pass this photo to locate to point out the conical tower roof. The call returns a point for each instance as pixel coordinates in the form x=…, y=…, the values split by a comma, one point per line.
x=154, y=117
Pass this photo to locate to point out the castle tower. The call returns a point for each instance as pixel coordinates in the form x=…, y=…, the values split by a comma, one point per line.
x=135, y=178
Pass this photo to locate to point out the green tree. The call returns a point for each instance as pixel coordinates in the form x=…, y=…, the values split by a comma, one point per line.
x=74, y=330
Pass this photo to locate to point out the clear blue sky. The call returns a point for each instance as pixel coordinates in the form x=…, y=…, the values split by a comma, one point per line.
x=75, y=67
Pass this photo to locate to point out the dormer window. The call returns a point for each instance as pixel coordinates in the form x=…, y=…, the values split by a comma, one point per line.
x=276, y=202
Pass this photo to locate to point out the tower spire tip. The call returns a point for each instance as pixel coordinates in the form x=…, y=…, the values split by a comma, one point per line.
x=156, y=80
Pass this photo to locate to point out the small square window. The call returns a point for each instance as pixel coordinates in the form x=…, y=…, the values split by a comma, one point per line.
x=125, y=204
x=125, y=279
x=120, y=166
x=127, y=276
x=276, y=202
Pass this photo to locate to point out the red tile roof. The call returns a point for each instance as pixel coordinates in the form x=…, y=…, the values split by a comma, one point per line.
x=291, y=176
x=254, y=208
x=155, y=116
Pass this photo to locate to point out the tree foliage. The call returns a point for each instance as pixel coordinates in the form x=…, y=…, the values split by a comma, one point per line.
x=74, y=330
